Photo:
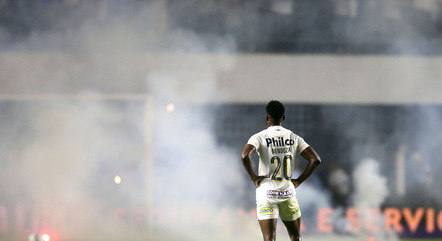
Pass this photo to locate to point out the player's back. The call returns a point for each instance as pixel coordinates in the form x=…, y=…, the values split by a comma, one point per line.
x=277, y=147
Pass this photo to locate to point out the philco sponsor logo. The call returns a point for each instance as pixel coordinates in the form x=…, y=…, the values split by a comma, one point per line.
x=266, y=210
x=280, y=141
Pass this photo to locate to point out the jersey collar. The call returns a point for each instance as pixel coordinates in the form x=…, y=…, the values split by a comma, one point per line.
x=274, y=127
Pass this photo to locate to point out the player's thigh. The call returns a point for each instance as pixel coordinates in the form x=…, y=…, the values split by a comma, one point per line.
x=267, y=214
x=294, y=229
x=290, y=214
x=268, y=229
x=289, y=210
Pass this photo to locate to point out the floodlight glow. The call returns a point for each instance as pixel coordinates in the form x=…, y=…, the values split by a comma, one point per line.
x=117, y=179
x=45, y=237
x=170, y=107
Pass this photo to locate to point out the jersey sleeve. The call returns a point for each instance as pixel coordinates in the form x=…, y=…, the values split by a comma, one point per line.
x=301, y=144
x=254, y=141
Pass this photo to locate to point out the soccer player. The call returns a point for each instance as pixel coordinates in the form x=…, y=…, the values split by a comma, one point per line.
x=275, y=188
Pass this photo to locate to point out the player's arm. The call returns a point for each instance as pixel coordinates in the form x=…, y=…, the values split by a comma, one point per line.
x=246, y=157
x=313, y=159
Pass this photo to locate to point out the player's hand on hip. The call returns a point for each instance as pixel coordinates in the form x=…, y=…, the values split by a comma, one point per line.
x=258, y=180
x=296, y=183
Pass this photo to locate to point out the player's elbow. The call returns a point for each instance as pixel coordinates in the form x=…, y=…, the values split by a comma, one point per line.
x=245, y=156
x=316, y=161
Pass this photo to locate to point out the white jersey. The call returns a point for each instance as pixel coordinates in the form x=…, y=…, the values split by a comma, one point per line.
x=276, y=147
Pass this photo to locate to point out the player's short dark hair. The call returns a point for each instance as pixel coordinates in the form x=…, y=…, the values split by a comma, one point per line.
x=275, y=109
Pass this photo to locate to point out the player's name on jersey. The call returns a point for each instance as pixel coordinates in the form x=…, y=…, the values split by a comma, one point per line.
x=281, y=150
x=280, y=141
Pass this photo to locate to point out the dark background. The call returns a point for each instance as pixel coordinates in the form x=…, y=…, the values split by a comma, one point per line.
x=314, y=26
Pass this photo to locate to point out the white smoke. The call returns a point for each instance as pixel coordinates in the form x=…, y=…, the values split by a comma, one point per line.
x=370, y=192
x=192, y=171
x=62, y=171
x=64, y=149
x=73, y=147
x=370, y=186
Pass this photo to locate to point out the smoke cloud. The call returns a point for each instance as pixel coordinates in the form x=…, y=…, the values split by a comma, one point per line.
x=61, y=151
x=64, y=150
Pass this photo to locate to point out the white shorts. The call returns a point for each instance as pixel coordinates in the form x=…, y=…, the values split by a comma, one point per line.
x=273, y=203
x=288, y=210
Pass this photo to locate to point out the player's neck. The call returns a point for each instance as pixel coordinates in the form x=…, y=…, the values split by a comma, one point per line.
x=271, y=124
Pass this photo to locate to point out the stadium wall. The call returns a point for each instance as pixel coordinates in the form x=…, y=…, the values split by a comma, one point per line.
x=290, y=78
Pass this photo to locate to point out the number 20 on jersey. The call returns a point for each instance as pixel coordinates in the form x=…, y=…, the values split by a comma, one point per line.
x=287, y=164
